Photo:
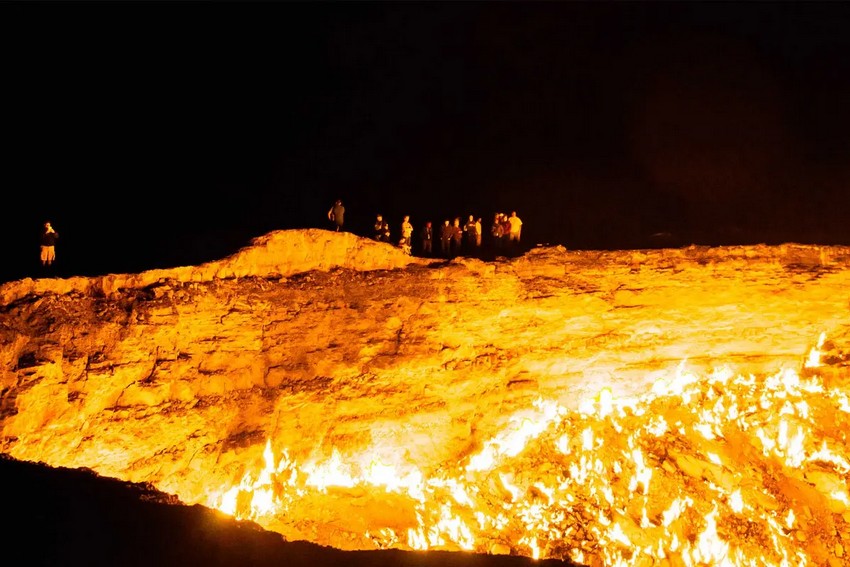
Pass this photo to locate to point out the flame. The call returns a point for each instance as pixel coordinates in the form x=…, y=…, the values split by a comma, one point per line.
x=702, y=470
x=813, y=360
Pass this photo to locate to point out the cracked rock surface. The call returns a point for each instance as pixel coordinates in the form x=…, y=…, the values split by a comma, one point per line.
x=322, y=340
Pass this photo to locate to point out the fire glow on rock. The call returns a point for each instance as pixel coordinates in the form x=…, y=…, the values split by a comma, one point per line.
x=717, y=469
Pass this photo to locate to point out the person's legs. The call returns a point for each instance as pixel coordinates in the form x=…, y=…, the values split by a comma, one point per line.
x=513, y=243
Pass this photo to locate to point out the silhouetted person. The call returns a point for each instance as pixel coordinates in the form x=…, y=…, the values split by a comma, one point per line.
x=457, y=237
x=48, y=244
x=497, y=232
x=426, y=236
x=506, y=231
x=446, y=239
x=471, y=232
x=382, y=229
x=336, y=215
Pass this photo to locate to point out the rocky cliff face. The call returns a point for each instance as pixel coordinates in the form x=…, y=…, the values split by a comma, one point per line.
x=320, y=342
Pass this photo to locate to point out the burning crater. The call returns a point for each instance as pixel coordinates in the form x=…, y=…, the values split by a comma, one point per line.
x=666, y=407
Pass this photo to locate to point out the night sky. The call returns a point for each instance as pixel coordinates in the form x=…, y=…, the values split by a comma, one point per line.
x=161, y=134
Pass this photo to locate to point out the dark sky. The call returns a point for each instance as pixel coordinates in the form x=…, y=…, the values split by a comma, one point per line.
x=156, y=134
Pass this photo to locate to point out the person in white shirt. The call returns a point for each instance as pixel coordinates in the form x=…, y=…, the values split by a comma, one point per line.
x=406, y=234
x=516, y=227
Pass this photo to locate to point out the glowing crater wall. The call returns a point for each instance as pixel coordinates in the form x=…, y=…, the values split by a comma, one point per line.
x=184, y=378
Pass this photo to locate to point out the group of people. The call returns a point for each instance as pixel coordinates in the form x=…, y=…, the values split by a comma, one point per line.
x=455, y=238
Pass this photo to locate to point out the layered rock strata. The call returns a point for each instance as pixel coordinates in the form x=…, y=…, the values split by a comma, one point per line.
x=320, y=340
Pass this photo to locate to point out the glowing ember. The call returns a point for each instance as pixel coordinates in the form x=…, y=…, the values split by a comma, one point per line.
x=703, y=470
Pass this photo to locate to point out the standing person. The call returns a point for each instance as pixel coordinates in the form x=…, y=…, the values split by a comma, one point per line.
x=478, y=233
x=457, y=237
x=471, y=234
x=382, y=229
x=516, y=228
x=48, y=244
x=406, y=235
x=506, y=231
x=406, y=229
x=445, y=239
x=426, y=236
x=336, y=214
x=497, y=231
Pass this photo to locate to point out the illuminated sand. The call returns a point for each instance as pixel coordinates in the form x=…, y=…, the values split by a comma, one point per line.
x=612, y=408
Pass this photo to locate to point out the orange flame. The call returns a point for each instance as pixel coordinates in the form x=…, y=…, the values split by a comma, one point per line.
x=677, y=474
